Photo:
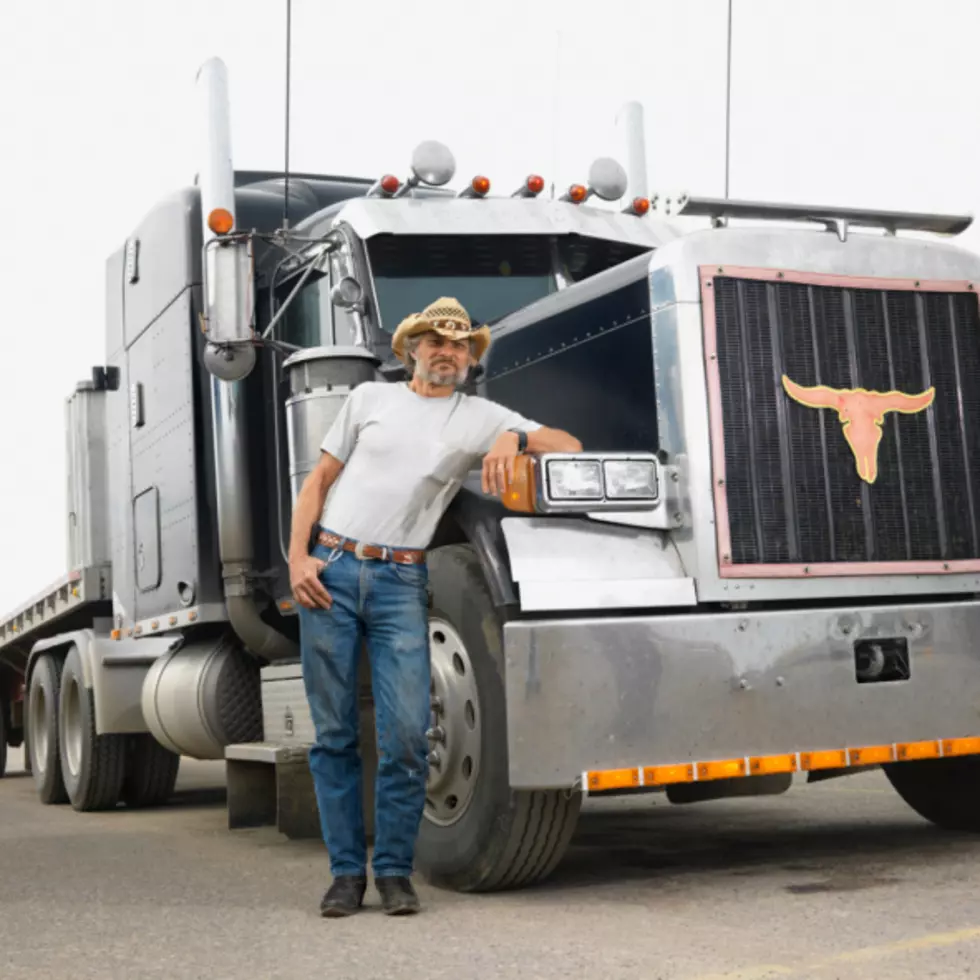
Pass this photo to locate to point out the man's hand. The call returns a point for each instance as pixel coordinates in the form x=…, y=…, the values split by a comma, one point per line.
x=498, y=464
x=304, y=579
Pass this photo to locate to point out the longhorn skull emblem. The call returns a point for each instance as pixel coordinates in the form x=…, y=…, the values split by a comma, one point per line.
x=861, y=414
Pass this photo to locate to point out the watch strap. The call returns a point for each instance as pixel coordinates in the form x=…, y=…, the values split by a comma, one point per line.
x=521, y=439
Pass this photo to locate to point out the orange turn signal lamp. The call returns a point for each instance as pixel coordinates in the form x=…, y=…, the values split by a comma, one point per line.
x=533, y=185
x=576, y=193
x=521, y=493
x=638, y=206
x=387, y=186
x=220, y=221
x=603, y=780
x=478, y=187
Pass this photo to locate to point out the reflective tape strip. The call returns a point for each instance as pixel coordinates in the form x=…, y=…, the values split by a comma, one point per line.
x=597, y=781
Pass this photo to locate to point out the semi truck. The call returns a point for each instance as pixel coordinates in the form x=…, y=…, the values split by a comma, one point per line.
x=762, y=569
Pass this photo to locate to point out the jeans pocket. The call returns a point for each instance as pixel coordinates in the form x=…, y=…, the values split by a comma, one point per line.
x=414, y=575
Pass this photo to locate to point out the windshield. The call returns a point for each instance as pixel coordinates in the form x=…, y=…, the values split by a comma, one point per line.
x=491, y=275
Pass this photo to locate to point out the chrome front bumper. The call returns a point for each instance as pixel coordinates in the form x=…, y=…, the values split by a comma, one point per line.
x=607, y=693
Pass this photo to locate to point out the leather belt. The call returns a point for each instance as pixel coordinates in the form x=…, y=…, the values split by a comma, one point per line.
x=401, y=556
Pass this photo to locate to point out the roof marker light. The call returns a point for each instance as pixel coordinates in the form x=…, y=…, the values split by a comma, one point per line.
x=478, y=187
x=532, y=186
x=638, y=206
x=387, y=186
x=577, y=193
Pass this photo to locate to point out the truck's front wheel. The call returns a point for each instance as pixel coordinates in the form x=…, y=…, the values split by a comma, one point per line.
x=944, y=791
x=477, y=834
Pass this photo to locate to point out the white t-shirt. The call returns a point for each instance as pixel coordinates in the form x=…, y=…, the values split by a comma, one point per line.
x=405, y=457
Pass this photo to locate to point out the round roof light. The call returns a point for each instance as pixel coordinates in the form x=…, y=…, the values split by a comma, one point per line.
x=608, y=179
x=433, y=163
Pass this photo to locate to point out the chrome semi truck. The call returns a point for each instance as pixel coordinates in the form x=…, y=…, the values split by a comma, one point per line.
x=762, y=569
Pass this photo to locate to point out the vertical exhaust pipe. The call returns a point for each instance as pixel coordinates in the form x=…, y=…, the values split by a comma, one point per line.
x=630, y=122
x=227, y=284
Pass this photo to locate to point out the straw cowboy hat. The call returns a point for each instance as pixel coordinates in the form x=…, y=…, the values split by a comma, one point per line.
x=446, y=316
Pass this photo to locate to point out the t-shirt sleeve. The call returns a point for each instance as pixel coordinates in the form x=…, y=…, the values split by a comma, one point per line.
x=497, y=420
x=342, y=435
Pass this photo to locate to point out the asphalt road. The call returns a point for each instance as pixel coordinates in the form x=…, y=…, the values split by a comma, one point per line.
x=838, y=880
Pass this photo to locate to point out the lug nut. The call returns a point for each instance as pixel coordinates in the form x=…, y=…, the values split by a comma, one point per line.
x=436, y=734
x=436, y=703
x=435, y=760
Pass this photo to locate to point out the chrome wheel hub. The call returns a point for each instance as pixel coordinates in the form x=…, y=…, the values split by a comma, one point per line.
x=455, y=730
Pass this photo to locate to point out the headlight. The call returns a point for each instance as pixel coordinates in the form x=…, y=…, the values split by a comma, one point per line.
x=631, y=479
x=572, y=483
x=574, y=479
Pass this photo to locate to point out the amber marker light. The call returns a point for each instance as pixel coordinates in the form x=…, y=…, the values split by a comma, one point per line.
x=220, y=221
x=520, y=493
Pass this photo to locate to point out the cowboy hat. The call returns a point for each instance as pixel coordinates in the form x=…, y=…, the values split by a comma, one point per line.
x=447, y=317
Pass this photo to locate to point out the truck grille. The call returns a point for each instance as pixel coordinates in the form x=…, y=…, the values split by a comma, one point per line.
x=796, y=496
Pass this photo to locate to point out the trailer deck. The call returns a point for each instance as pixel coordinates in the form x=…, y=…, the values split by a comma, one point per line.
x=70, y=602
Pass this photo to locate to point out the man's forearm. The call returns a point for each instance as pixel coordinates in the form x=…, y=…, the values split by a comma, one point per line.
x=546, y=440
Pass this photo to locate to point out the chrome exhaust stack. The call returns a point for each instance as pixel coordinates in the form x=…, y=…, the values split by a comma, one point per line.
x=229, y=357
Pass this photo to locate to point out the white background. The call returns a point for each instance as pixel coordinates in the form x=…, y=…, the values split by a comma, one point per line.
x=853, y=102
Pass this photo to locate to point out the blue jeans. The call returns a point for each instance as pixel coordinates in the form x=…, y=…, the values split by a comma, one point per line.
x=386, y=605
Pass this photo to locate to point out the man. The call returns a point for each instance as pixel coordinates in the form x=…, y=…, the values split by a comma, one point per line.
x=391, y=463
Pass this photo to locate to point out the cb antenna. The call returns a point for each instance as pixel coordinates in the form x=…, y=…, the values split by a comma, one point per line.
x=289, y=46
x=728, y=100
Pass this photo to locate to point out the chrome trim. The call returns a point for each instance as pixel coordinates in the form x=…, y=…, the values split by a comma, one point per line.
x=492, y=216
x=206, y=612
x=836, y=219
x=672, y=688
x=681, y=385
x=569, y=564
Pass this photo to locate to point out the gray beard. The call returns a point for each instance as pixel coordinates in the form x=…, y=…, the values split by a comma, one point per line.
x=451, y=379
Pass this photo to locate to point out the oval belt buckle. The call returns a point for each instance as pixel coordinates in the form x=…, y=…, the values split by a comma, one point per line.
x=359, y=550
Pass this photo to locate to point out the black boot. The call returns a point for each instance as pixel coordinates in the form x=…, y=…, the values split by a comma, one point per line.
x=343, y=897
x=397, y=896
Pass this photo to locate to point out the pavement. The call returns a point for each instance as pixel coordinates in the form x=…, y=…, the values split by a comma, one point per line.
x=834, y=881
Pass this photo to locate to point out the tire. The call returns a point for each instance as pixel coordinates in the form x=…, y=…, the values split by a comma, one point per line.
x=151, y=772
x=42, y=723
x=502, y=838
x=93, y=766
x=946, y=792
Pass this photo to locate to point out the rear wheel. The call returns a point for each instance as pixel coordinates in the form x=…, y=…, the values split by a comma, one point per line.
x=93, y=765
x=945, y=792
x=42, y=727
x=478, y=834
x=151, y=772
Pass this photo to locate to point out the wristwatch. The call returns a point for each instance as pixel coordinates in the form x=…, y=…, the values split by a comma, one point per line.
x=521, y=439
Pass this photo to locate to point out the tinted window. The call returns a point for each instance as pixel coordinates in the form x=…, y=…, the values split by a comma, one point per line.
x=491, y=275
